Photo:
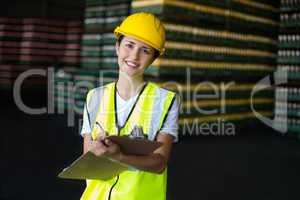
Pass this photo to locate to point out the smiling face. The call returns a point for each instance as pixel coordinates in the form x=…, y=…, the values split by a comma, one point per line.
x=134, y=56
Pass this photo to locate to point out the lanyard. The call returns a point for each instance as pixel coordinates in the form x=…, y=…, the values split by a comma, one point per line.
x=119, y=128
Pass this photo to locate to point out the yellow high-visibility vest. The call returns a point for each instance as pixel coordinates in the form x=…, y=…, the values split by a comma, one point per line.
x=132, y=184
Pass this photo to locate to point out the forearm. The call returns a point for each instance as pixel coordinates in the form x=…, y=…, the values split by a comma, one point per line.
x=86, y=143
x=154, y=163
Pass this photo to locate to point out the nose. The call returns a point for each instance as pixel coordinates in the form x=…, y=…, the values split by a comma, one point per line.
x=134, y=54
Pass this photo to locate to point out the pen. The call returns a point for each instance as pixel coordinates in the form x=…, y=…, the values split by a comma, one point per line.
x=100, y=127
x=101, y=132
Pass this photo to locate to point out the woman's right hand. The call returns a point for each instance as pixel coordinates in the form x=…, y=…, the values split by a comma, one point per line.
x=92, y=145
x=98, y=147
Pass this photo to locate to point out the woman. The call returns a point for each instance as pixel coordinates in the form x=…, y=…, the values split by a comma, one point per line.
x=130, y=103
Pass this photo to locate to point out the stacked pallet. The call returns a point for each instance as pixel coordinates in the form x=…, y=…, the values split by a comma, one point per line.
x=230, y=43
x=31, y=43
x=218, y=50
x=72, y=85
x=287, y=94
x=10, y=43
x=209, y=38
x=98, y=57
x=217, y=104
x=98, y=44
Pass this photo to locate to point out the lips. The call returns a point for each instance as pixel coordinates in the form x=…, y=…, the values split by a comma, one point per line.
x=132, y=64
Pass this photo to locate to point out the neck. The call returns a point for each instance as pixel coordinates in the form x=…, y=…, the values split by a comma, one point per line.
x=128, y=86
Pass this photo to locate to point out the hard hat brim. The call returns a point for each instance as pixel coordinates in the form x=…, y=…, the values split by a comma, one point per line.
x=118, y=32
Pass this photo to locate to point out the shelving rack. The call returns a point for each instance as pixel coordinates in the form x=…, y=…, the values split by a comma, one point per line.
x=98, y=63
x=225, y=47
x=36, y=35
x=288, y=94
x=227, y=43
x=36, y=43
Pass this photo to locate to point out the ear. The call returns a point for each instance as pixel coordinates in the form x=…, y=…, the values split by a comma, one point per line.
x=153, y=59
x=117, y=46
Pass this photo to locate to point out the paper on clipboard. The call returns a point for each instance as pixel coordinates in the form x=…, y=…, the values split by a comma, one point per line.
x=89, y=166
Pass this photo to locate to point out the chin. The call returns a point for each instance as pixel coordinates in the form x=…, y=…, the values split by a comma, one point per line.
x=132, y=72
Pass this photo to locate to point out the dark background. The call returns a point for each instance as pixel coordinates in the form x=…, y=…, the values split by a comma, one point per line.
x=256, y=163
x=50, y=9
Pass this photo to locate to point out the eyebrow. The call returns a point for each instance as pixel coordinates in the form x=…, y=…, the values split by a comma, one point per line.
x=132, y=42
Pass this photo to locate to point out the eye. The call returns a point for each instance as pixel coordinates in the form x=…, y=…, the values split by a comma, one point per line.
x=129, y=45
x=147, y=51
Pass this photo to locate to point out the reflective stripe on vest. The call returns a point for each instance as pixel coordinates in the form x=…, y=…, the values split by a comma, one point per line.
x=131, y=184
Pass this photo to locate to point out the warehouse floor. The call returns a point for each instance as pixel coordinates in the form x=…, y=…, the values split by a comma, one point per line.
x=254, y=164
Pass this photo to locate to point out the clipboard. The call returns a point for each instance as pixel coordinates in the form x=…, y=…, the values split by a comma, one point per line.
x=89, y=166
x=132, y=146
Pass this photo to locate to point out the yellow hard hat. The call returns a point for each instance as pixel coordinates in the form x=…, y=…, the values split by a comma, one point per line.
x=144, y=27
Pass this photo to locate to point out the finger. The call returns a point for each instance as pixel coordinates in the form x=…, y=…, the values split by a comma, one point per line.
x=92, y=145
x=102, y=144
x=108, y=142
x=103, y=133
x=101, y=138
x=97, y=145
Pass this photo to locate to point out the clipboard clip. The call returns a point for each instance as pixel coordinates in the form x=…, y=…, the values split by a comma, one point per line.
x=137, y=133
